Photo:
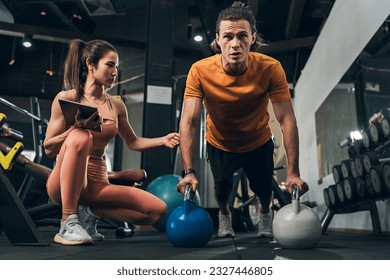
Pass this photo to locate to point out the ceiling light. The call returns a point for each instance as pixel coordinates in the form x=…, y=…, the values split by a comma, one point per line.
x=198, y=38
x=43, y=12
x=27, y=41
x=76, y=13
x=198, y=35
x=77, y=16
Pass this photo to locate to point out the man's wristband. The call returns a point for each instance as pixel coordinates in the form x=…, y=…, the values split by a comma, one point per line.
x=187, y=171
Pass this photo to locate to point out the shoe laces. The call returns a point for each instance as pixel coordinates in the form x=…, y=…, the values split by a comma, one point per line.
x=69, y=225
x=224, y=220
x=265, y=219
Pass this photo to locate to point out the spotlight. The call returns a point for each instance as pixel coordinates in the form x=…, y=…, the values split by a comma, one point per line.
x=50, y=72
x=198, y=38
x=77, y=16
x=198, y=35
x=27, y=41
x=43, y=11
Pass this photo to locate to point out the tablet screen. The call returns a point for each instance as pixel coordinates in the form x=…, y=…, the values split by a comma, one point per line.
x=69, y=110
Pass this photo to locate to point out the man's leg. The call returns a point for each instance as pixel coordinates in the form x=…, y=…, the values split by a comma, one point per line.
x=259, y=168
x=223, y=165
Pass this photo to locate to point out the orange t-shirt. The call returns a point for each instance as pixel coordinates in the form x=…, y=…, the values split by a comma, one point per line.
x=237, y=116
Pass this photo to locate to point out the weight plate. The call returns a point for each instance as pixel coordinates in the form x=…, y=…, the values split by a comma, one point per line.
x=337, y=174
x=369, y=188
x=347, y=189
x=326, y=197
x=374, y=133
x=360, y=187
x=366, y=140
x=386, y=175
x=375, y=181
x=385, y=127
x=359, y=166
x=366, y=163
x=332, y=196
x=345, y=168
x=353, y=169
x=340, y=192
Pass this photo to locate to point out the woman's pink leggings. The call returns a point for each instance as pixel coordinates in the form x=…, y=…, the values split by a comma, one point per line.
x=78, y=179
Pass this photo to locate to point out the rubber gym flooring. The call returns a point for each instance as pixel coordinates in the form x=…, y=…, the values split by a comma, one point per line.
x=149, y=244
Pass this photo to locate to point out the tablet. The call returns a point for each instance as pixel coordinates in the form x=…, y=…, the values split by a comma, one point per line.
x=69, y=110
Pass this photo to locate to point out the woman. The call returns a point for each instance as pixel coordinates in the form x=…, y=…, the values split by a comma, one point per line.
x=80, y=176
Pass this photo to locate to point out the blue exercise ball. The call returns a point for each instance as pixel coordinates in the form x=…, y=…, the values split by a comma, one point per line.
x=189, y=225
x=164, y=187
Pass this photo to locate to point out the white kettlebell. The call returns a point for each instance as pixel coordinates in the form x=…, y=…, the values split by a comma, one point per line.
x=297, y=226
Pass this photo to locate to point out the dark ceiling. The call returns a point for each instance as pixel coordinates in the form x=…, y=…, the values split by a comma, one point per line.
x=289, y=26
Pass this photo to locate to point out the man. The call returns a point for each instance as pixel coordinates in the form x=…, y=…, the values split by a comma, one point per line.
x=235, y=86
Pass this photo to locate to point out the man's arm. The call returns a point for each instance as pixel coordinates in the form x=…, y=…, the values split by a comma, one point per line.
x=284, y=113
x=192, y=108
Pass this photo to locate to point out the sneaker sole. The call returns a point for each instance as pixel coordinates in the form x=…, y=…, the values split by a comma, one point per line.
x=226, y=235
x=58, y=239
x=97, y=238
x=268, y=235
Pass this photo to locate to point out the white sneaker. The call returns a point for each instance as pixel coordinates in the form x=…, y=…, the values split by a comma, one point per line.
x=264, y=227
x=225, y=225
x=72, y=233
x=89, y=221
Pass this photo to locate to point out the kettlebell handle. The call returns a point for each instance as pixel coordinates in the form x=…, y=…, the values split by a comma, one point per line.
x=295, y=200
x=189, y=194
x=295, y=192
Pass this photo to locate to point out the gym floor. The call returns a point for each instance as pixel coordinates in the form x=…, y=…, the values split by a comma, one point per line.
x=149, y=244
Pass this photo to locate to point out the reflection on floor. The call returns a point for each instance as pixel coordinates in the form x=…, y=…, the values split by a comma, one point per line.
x=146, y=245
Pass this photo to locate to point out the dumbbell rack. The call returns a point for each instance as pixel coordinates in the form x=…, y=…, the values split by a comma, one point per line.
x=363, y=206
x=363, y=179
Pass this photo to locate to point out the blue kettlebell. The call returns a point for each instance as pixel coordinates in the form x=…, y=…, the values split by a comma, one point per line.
x=189, y=225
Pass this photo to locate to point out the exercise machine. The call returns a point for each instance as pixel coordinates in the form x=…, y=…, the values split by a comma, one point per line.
x=18, y=226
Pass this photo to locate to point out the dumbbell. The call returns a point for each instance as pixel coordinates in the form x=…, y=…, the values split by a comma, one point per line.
x=326, y=198
x=359, y=146
x=359, y=165
x=366, y=141
x=376, y=132
x=353, y=169
x=376, y=176
x=361, y=188
x=350, y=190
x=340, y=193
x=351, y=152
x=334, y=200
x=371, y=158
x=125, y=231
x=385, y=124
x=368, y=184
x=346, y=168
x=337, y=173
x=386, y=177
